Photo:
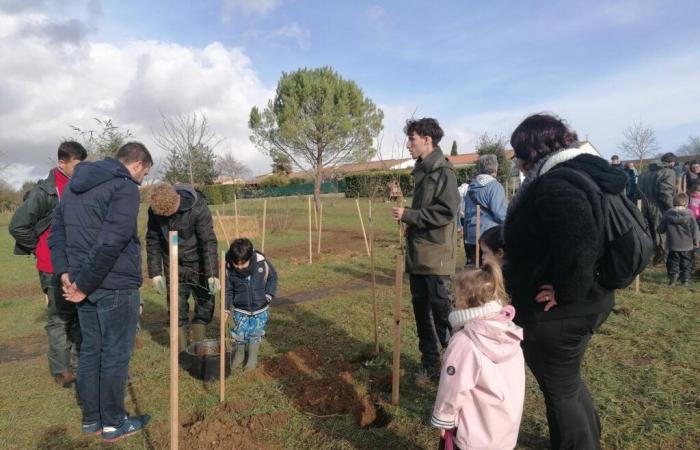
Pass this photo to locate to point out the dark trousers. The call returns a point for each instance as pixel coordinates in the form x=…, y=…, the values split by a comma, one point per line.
x=679, y=264
x=62, y=326
x=108, y=321
x=553, y=351
x=203, y=303
x=430, y=295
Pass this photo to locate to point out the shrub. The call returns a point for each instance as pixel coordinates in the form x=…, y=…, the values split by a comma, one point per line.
x=374, y=184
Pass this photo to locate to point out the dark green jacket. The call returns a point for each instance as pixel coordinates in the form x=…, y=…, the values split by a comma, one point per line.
x=430, y=222
x=33, y=217
x=658, y=185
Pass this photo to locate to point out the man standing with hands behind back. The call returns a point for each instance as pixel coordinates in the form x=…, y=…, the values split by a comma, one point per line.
x=96, y=251
x=431, y=233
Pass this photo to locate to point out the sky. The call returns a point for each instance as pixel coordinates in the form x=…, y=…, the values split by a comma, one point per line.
x=475, y=66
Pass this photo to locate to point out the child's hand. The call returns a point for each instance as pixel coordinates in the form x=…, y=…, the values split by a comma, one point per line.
x=546, y=296
x=227, y=313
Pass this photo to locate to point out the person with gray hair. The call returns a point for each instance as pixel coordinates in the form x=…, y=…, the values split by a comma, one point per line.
x=488, y=193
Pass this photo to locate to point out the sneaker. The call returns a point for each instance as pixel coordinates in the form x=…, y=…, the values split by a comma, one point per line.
x=65, y=379
x=92, y=429
x=684, y=282
x=130, y=426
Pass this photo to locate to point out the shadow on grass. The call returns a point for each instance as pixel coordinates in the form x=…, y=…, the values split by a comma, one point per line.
x=155, y=320
x=57, y=438
x=293, y=327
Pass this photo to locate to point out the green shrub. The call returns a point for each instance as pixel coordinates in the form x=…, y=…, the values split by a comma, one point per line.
x=374, y=184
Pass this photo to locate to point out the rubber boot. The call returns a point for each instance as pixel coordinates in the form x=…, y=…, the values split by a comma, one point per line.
x=238, y=356
x=252, y=362
x=199, y=332
x=181, y=339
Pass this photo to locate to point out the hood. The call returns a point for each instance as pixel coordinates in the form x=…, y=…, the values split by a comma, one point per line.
x=435, y=160
x=498, y=340
x=480, y=181
x=188, y=196
x=490, y=327
x=48, y=184
x=678, y=215
x=255, y=265
x=88, y=175
x=610, y=179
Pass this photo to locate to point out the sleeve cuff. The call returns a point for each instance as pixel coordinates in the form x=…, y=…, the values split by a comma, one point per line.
x=409, y=216
x=444, y=422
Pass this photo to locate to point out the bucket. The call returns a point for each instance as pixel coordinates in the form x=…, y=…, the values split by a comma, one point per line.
x=201, y=359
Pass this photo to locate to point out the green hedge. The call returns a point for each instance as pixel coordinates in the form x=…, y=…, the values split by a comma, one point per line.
x=466, y=173
x=218, y=194
x=374, y=183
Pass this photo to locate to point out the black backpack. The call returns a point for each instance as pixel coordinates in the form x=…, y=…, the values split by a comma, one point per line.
x=627, y=243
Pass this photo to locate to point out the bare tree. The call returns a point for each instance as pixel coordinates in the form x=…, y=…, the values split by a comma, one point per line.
x=190, y=143
x=691, y=148
x=104, y=141
x=229, y=166
x=640, y=141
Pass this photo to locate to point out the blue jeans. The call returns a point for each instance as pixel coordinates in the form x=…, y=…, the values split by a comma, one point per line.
x=108, y=321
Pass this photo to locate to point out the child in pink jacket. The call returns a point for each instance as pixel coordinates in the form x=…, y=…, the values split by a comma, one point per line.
x=482, y=382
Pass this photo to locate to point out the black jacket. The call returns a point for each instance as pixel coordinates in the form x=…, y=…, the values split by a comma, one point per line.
x=251, y=291
x=33, y=217
x=94, y=233
x=553, y=235
x=197, y=243
x=430, y=222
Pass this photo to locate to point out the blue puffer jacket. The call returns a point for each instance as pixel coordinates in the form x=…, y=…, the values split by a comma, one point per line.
x=489, y=193
x=251, y=290
x=94, y=235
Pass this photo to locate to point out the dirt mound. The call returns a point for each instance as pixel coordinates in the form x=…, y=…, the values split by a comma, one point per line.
x=324, y=396
x=222, y=430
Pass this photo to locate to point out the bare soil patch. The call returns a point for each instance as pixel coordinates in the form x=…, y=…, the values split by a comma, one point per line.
x=21, y=349
x=222, y=429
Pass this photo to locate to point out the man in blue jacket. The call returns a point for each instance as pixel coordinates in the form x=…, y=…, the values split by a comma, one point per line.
x=486, y=191
x=96, y=251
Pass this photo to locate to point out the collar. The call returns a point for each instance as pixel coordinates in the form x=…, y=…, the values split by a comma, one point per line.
x=563, y=156
x=459, y=318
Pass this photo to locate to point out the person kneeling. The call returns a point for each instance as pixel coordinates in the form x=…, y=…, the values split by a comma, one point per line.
x=251, y=284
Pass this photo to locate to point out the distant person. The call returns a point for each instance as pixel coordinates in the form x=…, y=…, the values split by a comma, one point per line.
x=482, y=383
x=251, y=284
x=683, y=237
x=656, y=187
x=694, y=200
x=462, y=189
x=183, y=209
x=431, y=232
x=30, y=226
x=692, y=175
x=95, y=250
x=486, y=192
x=552, y=237
x=615, y=163
x=631, y=187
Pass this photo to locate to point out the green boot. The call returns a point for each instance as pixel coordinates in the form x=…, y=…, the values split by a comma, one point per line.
x=199, y=332
x=181, y=339
x=238, y=356
x=252, y=362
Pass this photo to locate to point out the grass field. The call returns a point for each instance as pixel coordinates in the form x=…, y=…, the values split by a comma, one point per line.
x=643, y=368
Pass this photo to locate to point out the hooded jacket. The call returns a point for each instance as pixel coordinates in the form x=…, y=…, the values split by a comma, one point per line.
x=250, y=291
x=94, y=234
x=491, y=196
x=482, y=381
x=554, y=235
x=681, y=229
x=431, y=228
x=197, y=243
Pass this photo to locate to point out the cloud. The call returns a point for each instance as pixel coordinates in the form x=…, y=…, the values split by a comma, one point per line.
x=48, y=86
x=259, y=7
x=375, y=13
x=294, y=32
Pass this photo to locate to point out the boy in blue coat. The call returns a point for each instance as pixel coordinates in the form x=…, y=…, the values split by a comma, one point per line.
x=251, y=283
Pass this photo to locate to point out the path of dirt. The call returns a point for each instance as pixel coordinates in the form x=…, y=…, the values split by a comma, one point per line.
x=328, y=291
x=23, y=348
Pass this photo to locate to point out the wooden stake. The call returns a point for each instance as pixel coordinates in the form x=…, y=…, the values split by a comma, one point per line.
x=374, y=279
x=478, y=233
x=320, y=228
x=222, y=327
x=174, y=352
x=315, y=216
x=262, y=247
x=636, y=280
x=396, y=365
x=362, y=224
x=221, y=223
x=235, y=212
x=311, y=259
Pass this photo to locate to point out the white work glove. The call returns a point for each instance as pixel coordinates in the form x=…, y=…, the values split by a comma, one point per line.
x=214, y=286
x=159, y=284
